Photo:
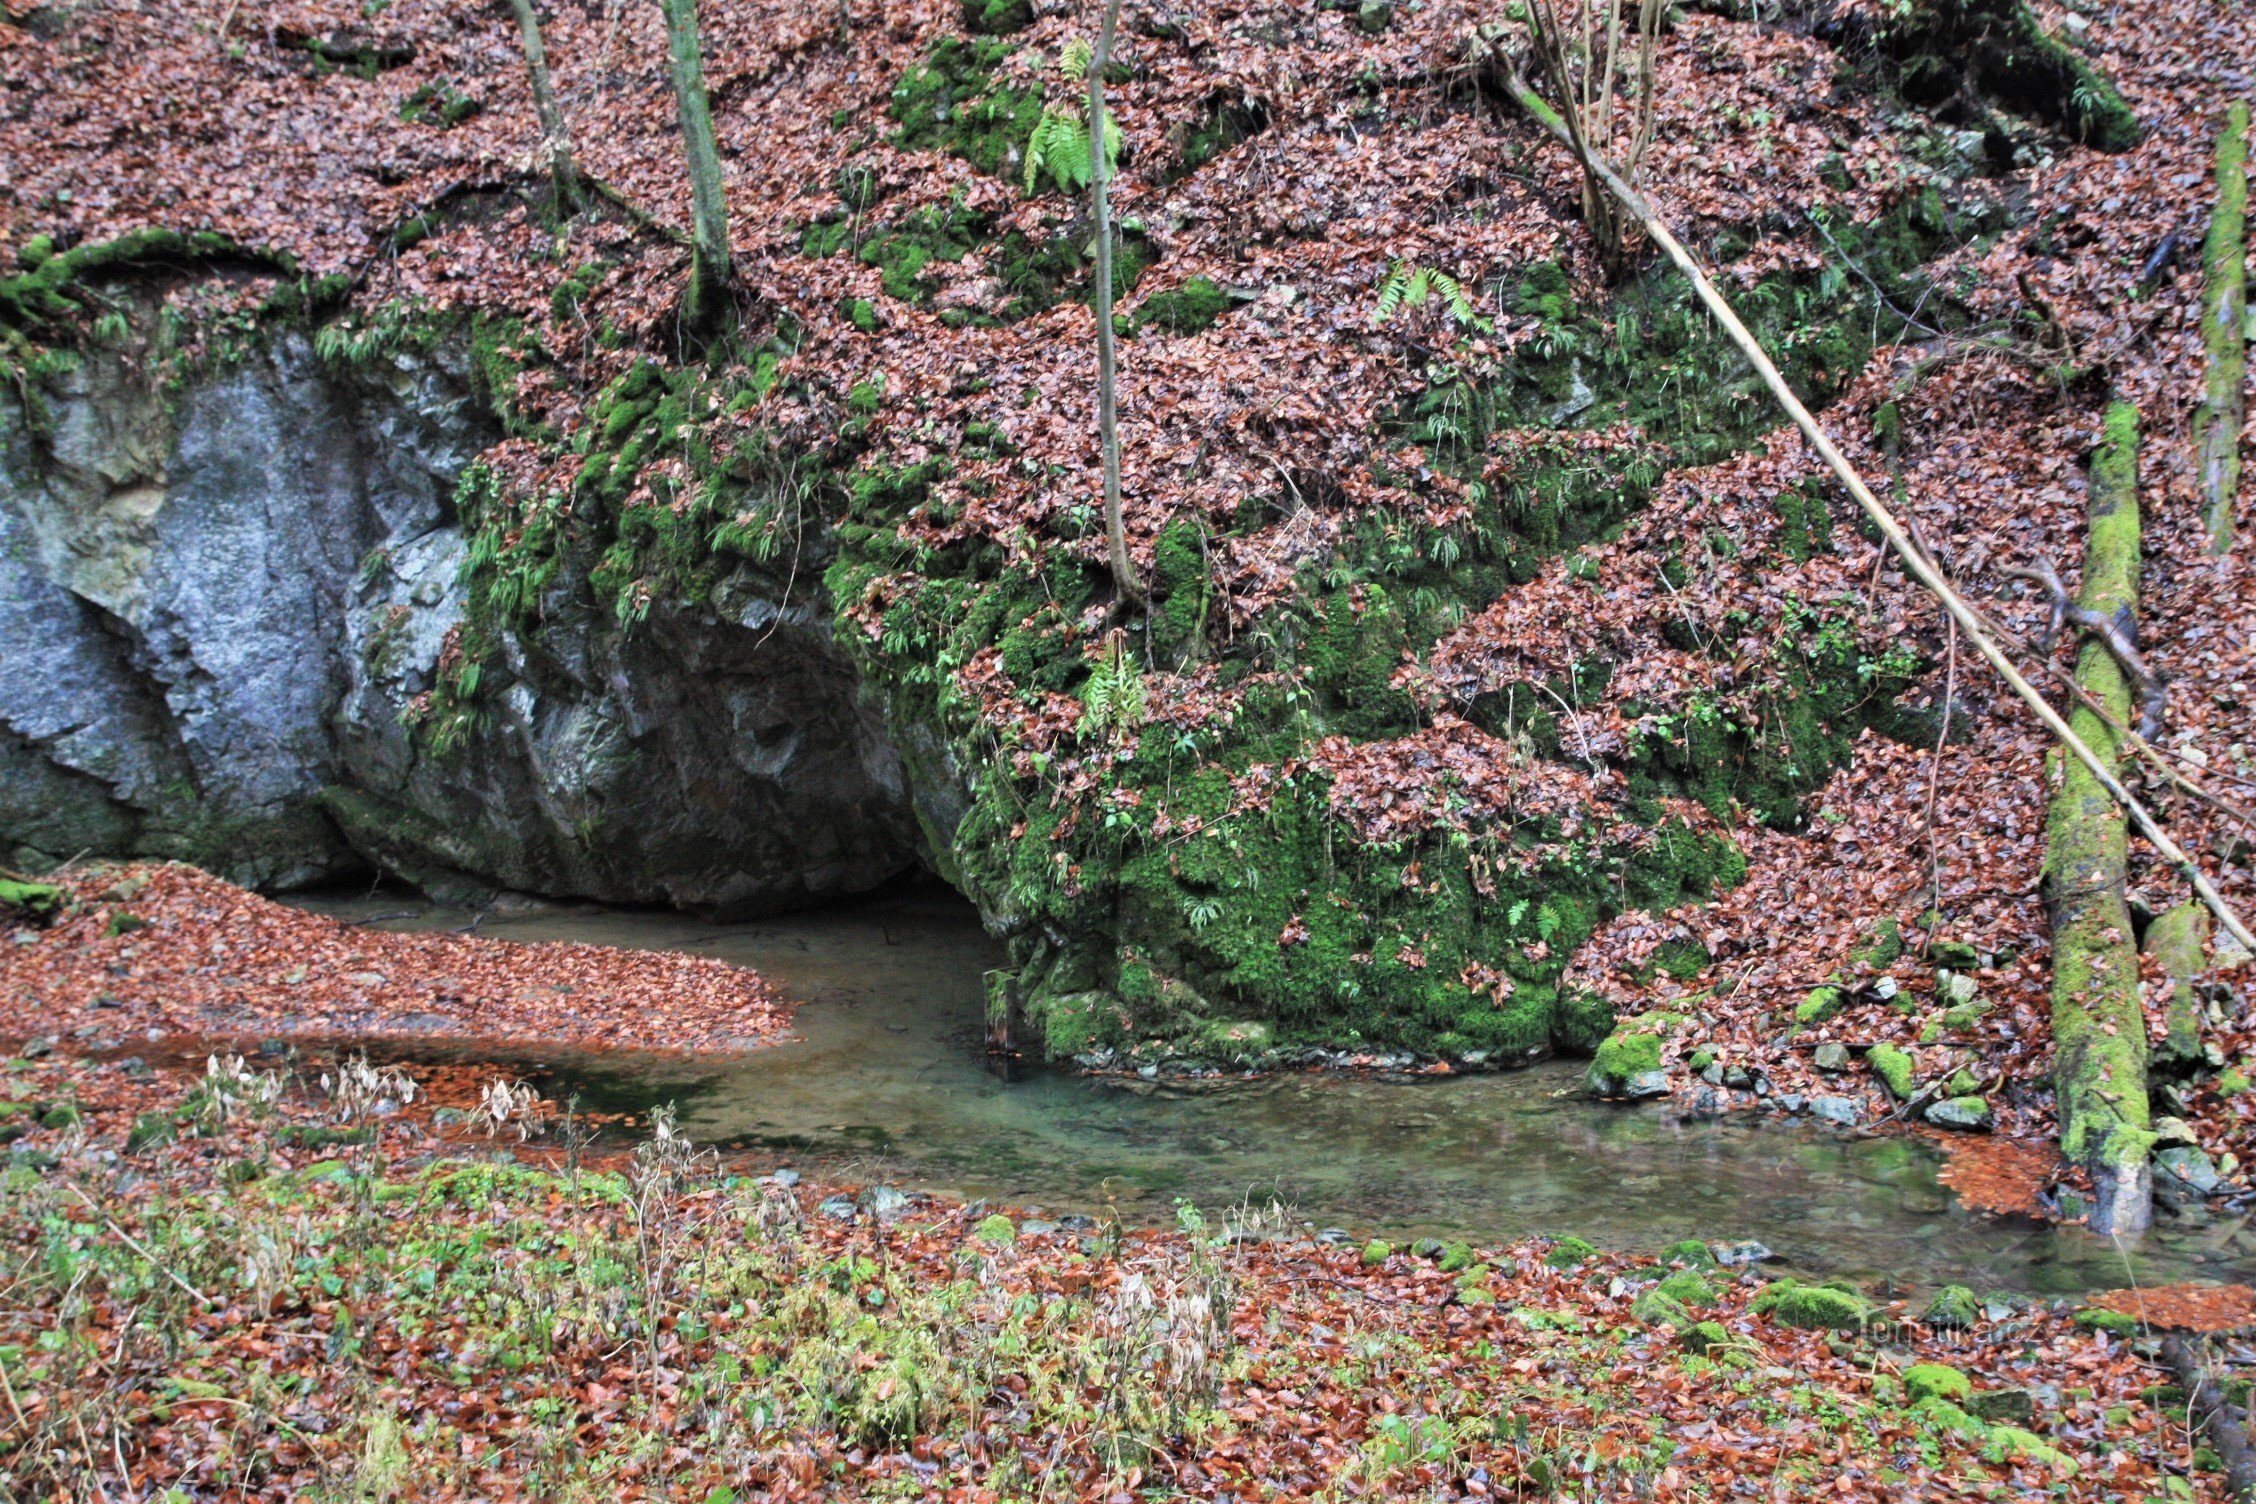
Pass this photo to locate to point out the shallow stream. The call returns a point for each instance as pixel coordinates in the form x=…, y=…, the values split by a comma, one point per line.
x=888, y=1080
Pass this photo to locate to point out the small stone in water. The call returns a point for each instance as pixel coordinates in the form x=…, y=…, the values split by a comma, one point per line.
x=1748, y=1252
x=1646, y=1084
x=1842, y=1110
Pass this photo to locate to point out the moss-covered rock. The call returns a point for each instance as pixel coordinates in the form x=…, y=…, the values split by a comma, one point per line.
x=1691, y=1253
x=1815, y=1307
x=1621, y=1061
x=1656, y=1307
x=1893, y=1067
x=1924, y=1381
x=1954, y=1307
x=1689, y=1287
x=1569, y=1253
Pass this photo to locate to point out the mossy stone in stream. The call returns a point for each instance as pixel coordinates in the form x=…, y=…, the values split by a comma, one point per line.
x=1622, y=1059
x=1969, y=1114
x=1691, y=1253
x=1928, y=1381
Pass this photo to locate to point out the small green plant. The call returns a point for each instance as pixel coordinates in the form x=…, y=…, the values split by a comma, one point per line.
x=1060, y=143
x=1407, y=285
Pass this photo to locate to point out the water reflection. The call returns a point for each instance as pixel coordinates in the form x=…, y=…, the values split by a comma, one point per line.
x=888, y=1080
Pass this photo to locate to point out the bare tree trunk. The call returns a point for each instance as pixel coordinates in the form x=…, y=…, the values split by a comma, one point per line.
x=711, y=270
x=554, y=135
x=1108, y=415
x=2098, y=1027
x=2224, y=308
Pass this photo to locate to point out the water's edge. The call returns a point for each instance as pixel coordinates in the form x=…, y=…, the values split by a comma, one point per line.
x=887, y=1080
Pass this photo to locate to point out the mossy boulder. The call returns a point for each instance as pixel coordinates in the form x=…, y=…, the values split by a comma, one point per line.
x=1702, y=1337
x=1814, y=1307
x=1927, y=1381
x=1954, y=1307
x=996, y=1230
x=1656, y=1308
x=1570, y=1253
x=1622, y=1061
x=1689, y=1287
x=1691, y=1254
x=1893, y=1067
x=1821, y=1005
x=1968, y=1114
x=1377, y=1251
x=37, y=902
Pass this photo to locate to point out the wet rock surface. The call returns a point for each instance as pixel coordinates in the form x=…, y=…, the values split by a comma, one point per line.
x=221, y=608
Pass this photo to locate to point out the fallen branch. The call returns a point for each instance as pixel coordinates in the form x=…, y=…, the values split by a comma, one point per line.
x=2224, y=309
x=2108, y=632
x=1886, y=521
x=2205, y=1397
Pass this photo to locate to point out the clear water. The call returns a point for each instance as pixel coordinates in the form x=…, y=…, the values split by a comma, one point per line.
x=888, y=1080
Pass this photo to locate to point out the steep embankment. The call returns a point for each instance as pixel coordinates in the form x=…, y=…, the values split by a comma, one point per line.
x=1492, y=631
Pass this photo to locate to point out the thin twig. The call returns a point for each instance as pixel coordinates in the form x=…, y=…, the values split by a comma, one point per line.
x=138, y=1247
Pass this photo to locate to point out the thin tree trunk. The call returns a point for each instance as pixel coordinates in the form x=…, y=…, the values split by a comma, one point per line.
x=2179, y=939
x=1914, y=559
x=2098, y=1028
x=1124, y=580
x=2224, y=309
x=711, y=270
x=554, y=134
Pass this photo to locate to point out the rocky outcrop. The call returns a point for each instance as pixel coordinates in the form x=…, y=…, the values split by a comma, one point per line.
x=220, y=606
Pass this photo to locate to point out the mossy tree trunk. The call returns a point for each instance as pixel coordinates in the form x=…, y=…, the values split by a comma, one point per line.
x=2224, y=310
x=711, y=269
x=2098, y=1028
x=554, y=133
x=2178, y=939
x=1124, y=580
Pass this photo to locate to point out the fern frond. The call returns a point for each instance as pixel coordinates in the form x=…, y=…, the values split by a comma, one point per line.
x=1074, y=61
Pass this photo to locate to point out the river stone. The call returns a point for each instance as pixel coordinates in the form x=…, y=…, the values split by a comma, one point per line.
x=1830, y=1057
x=1842, y=1110
x=1746, y=1252
x=886, y=1203
x=1646, y=1084
x=837, y=1208
x=1969, y=1113
x=1953, y=988
x=2185, y=1173
x=717, y=757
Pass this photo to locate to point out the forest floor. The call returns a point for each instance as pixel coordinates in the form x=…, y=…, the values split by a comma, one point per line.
x=143, y=950
x=302, y=1276
x=291, y=1280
